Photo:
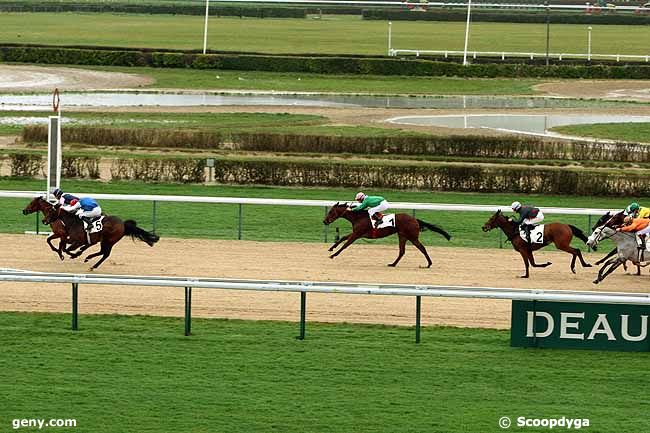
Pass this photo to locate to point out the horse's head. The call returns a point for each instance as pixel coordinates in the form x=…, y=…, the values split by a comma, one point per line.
x=494, y=221
x=335, y=213
x=598, y=235
x=51, y=214
x=37, y=203
x=601, y=221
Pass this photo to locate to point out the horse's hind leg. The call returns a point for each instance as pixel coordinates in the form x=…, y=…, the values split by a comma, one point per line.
x=423, y=250
x=402, y=249
x=576, y=253
x=106, y=251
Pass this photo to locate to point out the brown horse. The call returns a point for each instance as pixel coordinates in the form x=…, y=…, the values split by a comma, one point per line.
x=58, y=229
x=113, y=229
x=407, y=228
x=557, y=233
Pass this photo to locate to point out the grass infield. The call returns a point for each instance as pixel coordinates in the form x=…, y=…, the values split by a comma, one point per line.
x=140, y=374
x=334, y=34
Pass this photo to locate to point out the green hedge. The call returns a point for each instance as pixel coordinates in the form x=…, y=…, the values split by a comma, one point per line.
x=183, y=170
x=433, y=177
x=472, y=146
x=320, y=65
x=174, y=9
x=506, y=16
x=28, y=164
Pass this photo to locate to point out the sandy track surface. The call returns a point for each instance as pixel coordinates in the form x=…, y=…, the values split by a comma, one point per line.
x=38, y=78
x=293, y=261
x=622, y=90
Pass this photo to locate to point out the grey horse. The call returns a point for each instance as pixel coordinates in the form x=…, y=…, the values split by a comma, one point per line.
x=626, y=245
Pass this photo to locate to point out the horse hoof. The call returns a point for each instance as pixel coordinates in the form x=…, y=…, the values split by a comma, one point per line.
x=392, y=265
x=587, y=265
x=332, y=257
x=573, y=270
x=596, y=281
x=524, y=276
x=425, y=267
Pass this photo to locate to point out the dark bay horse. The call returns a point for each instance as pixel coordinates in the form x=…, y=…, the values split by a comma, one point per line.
x=58, y=229
x=113, y=229
x=407, y=228
x=557, y=233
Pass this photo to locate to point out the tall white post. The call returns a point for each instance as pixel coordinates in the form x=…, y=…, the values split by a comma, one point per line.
x=205, y=26
x=589, y=44
x=54, y=155
x=390, y=37
x=469, y=9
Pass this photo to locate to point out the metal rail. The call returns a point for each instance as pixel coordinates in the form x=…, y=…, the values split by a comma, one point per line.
x=304, y=287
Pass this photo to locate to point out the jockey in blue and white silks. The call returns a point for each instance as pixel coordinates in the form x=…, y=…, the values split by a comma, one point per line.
x=86, y=209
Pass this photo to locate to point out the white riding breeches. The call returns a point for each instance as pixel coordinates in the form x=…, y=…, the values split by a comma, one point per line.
x=90, y=213
x=533, y=221
x=379, y=208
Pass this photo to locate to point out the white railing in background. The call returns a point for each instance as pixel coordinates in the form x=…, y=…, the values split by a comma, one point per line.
x=304, y=287
x=313, y=203
x=503, y=54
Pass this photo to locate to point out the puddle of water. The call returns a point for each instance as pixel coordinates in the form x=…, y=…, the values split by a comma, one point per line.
x=116, y=99
x=527, y=124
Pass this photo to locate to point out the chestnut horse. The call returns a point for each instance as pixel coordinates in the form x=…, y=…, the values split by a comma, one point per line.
x=58, y=229
x=113, y=229
x=407, y=228
x=557, y=233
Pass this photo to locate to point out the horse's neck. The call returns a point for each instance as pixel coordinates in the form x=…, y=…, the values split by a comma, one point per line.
x=353, y=217
x=507, y=228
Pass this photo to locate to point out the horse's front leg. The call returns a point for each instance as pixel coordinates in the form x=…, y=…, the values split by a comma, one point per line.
x=337, y=243
x=350, y=239
x=610, y=254
x=524, y=255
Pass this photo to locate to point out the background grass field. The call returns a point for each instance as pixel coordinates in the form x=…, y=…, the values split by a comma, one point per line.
x=140, y=374
x=289, y=223
x=336, y=34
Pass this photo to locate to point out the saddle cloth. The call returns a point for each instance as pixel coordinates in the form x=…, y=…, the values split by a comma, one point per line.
x=96, y=225
x=536, y=234
x=387, y=221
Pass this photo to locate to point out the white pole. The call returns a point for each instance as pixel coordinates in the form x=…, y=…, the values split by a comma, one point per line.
x=390, y=42
x=205, y=27
x=589, y=45
x=469, y=8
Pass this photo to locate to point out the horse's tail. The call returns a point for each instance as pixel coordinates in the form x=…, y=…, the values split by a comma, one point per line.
x=579, y=234
x=131, y=229
x=434, y=228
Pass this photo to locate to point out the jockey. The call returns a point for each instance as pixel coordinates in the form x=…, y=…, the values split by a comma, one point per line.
x=62, y=198
x=637, y=211
x=529, y=217
x=375, y=205
x=86, y=209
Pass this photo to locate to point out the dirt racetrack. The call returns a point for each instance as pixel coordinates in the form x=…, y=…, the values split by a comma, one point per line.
x=293, y=261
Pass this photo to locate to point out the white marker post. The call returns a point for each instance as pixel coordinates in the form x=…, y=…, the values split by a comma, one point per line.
x=54, y=156
x=469, y=11
x=205, y=26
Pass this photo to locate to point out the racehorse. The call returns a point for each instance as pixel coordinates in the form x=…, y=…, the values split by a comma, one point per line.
x=557, y=233
x=58, y=229
x=407, y=228
x=112, y=230
x=626, y=248
x=612, y=221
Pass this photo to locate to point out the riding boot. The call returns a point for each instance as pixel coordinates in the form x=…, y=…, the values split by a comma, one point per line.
x=378, y=218
x=527, y=229
x=87, y=220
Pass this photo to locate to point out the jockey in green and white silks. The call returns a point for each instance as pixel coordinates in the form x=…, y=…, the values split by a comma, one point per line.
x=374, y=204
